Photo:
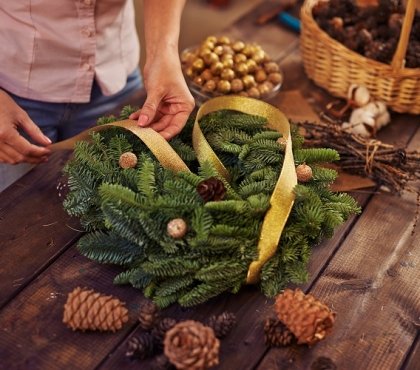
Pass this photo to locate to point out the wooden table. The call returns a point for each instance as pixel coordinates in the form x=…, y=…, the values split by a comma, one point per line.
x=368, y=272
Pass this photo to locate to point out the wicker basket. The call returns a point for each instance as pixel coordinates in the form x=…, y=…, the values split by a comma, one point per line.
x=334, y=67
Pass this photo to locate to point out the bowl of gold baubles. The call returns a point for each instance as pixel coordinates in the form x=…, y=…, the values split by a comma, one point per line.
x=221, y=66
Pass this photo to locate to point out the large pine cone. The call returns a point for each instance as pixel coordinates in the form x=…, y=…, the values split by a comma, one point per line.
x=306, y=317
x=191, y=345
x=148, y=315
x=211, y=189
x=276, y=333
x=222, y=324
x=88, y=310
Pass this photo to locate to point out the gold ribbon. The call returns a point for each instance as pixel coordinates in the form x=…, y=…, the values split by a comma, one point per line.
x=160, y=148
x=283, y=197
x=281, y=200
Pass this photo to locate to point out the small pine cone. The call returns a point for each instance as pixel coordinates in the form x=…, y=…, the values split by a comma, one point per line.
x=304, y=173
x=191, y=345
x=140, y=346
x=222, y=324
x=307, y=318
x=88, y=310
x=160, y=329
x=276, y=333
x=148, y=315
x=211, y=189
x=128, y=160
x=161, y=362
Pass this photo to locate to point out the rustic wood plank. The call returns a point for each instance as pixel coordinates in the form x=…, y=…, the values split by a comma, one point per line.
x=34, y=228
x=413, y=359
x=372, y=284
x=32, y=334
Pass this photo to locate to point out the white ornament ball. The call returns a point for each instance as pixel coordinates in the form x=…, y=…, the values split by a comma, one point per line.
x=176, y=228
x=128, y=160
x=304, y=173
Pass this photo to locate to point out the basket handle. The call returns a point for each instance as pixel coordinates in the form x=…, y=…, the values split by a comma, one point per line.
x=399, y=56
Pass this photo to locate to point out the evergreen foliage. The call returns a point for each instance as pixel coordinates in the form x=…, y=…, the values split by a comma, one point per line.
x=126, y=211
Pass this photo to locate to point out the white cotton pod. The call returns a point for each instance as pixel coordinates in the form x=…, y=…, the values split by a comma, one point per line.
x=358, y=94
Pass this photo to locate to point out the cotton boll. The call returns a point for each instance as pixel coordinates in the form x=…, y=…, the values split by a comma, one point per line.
x=358, y=94
x=383, y=119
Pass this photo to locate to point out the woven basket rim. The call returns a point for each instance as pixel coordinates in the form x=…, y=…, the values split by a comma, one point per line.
x=308, y=20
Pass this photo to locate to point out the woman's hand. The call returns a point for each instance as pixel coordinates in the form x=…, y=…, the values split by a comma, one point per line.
x=14, y=148
x=169, y=102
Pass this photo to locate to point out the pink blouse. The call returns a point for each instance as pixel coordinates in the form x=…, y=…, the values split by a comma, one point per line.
x=52, y=50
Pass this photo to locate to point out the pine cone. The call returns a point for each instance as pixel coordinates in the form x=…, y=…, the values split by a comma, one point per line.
x=160, y=329
x=88, y=310
x=140, y=346
x=211, y=189
x=148, y=315
x=276, y=333
x=222, y=324
x=191, y=345
x=306, y=317
x=161, y=362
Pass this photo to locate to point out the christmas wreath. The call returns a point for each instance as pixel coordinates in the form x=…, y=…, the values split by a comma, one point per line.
x=186, y=236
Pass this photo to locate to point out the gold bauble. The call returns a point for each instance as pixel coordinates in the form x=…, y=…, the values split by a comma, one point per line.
x=258, y=56
x=269, y=85
x=275, y=78
x=248, y=81
x=187, y=57
x=216, y=68
x=263, y=89
x=189, y=72
x=227, y=49
x=252, y=65
x=208, y=45
x=198, y=80
x=253, y=92
x=223, y=86
x=271, y=67
x=227, y=62
x=223, y=40
x=227, y=74
x=236, y=85
x=239, y=58
x=238, y=46
x=260, y=75
x=209, y=86
x=218, y=50
x=198, y=64
x=203, y=52
x=206, y=75
x=248, y=50
x=211, y=58
x=243, y=93
x=241, y=69
x=212, y=39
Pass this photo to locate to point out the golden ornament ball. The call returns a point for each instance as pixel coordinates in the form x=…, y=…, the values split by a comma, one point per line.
x=237, y=46
x=241, y=69
x=206, y=75
x=228, y=62
x=227, y=49
x=198, y=64
x=249, y=81
x=218, y=50
x=263, y=89
x=223, y=86
x=189, y=72
x=260, y=75
x=258, y=56
x=275, y=78
x=253, y=92
x=203, y=52
x=271, y=67
x=227, y=74
x=248, y=50
x=211, y=58
x=187, y=57
x=216, y=68
x=236, y=85
x=239, y=58
x=304, y=173
x=127, y=160
x=212, y=39
x=198, y=80
x=176, y=228
x=209, y=86
x=208, y=45
x=223, y=40
x=252, y=65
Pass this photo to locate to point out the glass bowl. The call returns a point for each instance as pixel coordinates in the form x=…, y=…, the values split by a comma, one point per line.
x=201, y=96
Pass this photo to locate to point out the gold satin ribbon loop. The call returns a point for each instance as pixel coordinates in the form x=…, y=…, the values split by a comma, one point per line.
x=160, y=148
x=283, y=197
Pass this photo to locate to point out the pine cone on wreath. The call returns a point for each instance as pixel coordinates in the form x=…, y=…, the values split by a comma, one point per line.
x=211, y=189
x=88, y=310
x=191, y=345
x=276, y=333
x=222, y=324
x=307, y=318
x=160, y=329
x=148, y=315
x=140, y=346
